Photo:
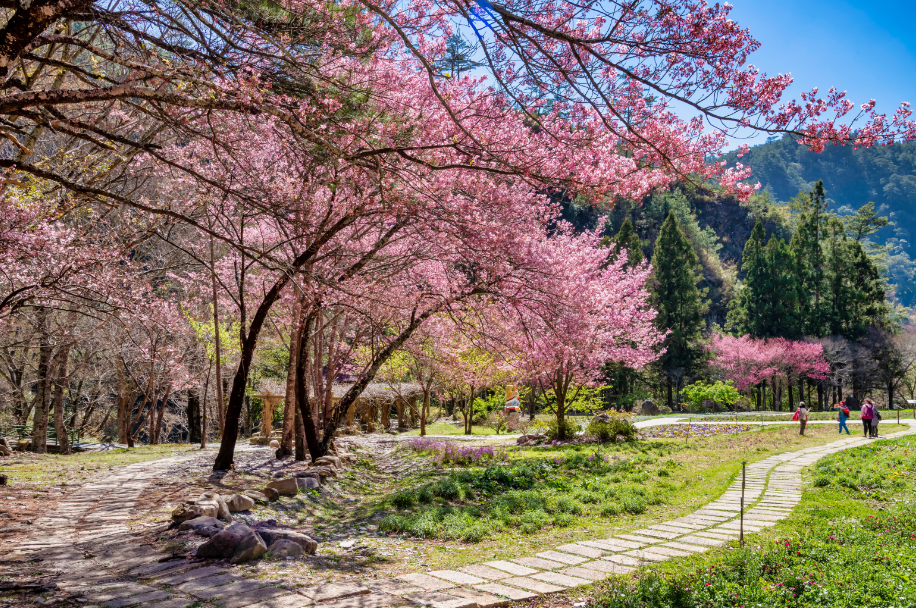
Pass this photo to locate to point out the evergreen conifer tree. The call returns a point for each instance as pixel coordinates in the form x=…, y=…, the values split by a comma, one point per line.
x=678, y=301
x=746, y=311
x=627, y=239
x=811, y=261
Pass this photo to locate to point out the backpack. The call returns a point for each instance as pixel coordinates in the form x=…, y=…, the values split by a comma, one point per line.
x=795, y=417
x=846, y=412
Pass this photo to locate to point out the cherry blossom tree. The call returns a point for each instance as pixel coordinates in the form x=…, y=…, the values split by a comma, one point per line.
x=751, y=362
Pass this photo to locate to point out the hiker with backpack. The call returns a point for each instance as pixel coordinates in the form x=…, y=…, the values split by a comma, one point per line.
x=842, y=416
x=867, y=413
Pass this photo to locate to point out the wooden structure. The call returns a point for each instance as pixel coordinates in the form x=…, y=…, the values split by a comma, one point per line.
x=374, y=406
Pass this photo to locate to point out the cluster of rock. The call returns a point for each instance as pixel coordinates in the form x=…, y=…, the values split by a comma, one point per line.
x=258, y=439
x=532, y=439
x=5, y=449
x=240, y=543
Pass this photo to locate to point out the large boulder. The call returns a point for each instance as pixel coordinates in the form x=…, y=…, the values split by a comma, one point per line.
x=649, y=408
x=328, y=460
x=256, y=496
x=252, y=546
x=198, y=522
x=285, y=487
x=274, y=444
x=195, y=509
x=239, y=502
x=285, y=548
x=308, y=483
x=326, y=470
x=271, y=494
x=306, y=542
x=238, y=542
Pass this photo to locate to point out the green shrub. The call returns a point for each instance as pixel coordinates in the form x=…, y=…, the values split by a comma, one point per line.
x=608, y=431
x=559, y=432
x=403, y=499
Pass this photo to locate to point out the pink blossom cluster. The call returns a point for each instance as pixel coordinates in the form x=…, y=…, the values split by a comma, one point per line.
x=749, y=361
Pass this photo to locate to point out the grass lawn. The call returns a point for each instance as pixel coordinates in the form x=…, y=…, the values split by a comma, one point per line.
x=851, y=543
x=453, y=516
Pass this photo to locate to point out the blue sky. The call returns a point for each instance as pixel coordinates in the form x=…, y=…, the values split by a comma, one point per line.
x=867, y=48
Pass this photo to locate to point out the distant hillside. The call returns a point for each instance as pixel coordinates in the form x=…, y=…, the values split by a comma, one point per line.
x=885, y=175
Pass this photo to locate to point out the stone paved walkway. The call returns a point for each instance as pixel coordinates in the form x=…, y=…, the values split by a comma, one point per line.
x=87, y=542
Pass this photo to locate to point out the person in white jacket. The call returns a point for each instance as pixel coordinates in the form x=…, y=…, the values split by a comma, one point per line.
x=802, y=412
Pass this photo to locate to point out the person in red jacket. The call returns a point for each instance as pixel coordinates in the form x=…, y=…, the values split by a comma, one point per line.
x=867, y=414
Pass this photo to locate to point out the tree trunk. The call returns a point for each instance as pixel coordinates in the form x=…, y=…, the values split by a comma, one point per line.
x=42, y=397
x=123, y=414
x=63, y=441
x=890, y=395
x=193, y=416
x=424, y=411
x=820, y=397
x=670, y=396
x=300, y=436
x=791, y=394
x=290, y=411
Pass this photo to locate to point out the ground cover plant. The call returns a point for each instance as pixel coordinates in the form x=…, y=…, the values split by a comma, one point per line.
x=848, y=545
x=871, y=471
x=531, y=493
x=694, y=430
x=867, y=562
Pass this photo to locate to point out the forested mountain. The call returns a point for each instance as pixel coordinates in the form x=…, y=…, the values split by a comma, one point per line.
x=720, y=225
x=884, y=175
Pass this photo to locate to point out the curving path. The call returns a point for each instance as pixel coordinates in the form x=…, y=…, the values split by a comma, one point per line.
x=87, y=543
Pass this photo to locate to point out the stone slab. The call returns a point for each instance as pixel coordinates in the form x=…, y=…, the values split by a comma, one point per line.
x=531, y=584
x=514, y=569
x=291, y=600
x=538, y=562
x=135, y=600
x=623, y=559
x=232, y=589
x=583, y=550
x=647, y=556
x=183, y=577
x=637, y=538
x=253, y=597
x=459, y=578
x=664, y=534
x=564, y=580
x=207, y=582
x=440, y=600
x=685, y=547
x=372, y=600
x=702, y=541
x=485, y=572
x=606, y=545
x=586, y=573
x=603, y=565
x=564, y=558
x=333, y=591
x=629, y=544
x=508, y=592
x=483, y=600
x=666, y=549
x=426, y=582
x=393, y=587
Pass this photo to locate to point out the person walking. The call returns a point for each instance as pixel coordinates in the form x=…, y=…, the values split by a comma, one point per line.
x=802, y=413
x=867, y=413
x=842, y=416
x=876, y=418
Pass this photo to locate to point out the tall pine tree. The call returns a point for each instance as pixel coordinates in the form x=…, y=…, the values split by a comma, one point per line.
x=679, y=303
x=628, y=240
x=767, y=305
x=811, y=261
